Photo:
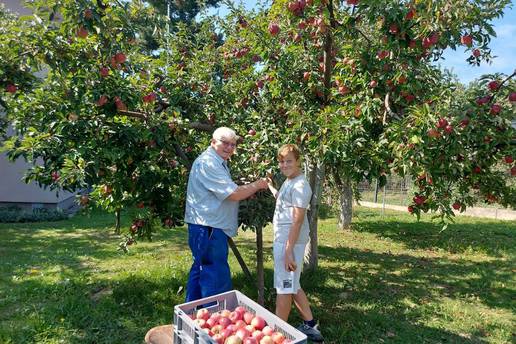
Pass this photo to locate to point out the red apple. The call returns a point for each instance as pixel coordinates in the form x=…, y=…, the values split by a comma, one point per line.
x=493, y=85
x=352, y=2
x=200, y=322
x=55, y=176
x=419, y=199
x=442, y=123
x=343, y=89
x=373, y=84
x=464, y=122
x=104, y=72
x=476, y=53
x=512, y=97
x=248, y=317
x=88, y=14
x=274, y=29
x=203, y=313
x=216, y=328
x=218, y=338
x=82, y=32
x=250, y=328
x=410, y=14
x=456, y=205
x=513, y=171
x=267, y=330
x=495, y=109
x=233, y=340
x=508, y=159
x=259, y=323
x=266, y=340
x=448, y=129
x=102, y=100
x=258, y=335
x=467, y=40
x=211, y=322
x=393, y=29
x=250, y=340
x=120, y=57
x=278, y=338
x=433, y=133
x=243, y=333
x=225, y=313
x=477, y=169
x=410, y=209
x=11, y=88
x=235, y=316
x=239, y=324
x=149, y=98
x=226, y=333
x=120, y=105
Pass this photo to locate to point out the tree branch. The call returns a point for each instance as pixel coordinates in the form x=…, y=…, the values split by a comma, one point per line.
x=182, y=155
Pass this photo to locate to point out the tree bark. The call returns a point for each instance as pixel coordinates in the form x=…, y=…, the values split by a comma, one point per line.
x=117, y=222
x=259, y=266
x=316, y=174
x=346, y=203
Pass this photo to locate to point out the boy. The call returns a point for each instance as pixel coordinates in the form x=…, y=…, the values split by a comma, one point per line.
x=291, y=235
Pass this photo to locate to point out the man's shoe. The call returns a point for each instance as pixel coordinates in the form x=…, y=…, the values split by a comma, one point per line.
x=312, y=333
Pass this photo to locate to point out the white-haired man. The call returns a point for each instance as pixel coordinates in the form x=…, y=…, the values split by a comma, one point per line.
x=212, y=215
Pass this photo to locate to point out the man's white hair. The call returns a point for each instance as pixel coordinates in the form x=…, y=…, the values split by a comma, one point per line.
x=224, y=133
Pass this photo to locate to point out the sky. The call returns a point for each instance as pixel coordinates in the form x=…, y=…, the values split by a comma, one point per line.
x=503, y=47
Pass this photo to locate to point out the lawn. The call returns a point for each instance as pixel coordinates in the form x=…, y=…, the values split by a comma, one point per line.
x=389, y=280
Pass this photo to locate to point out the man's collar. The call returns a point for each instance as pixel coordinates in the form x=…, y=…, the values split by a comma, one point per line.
x=213, y=153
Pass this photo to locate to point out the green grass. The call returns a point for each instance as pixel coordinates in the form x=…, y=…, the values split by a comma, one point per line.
x=389, y=280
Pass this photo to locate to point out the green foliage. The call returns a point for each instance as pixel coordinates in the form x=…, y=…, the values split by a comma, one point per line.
x=351, y=85
x=16, y=214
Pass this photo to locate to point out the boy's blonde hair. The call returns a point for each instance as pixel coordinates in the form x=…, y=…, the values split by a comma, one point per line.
x=289, y=148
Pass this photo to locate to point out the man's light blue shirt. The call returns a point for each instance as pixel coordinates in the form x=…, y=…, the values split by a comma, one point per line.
x=209, y=185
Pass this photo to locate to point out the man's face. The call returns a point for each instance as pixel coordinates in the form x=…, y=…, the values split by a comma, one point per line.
x=224, y=147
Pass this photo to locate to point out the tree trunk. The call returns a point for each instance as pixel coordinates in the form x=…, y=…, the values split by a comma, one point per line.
x=316, y=174
x=117, y=222
x=239, y=259
x=346, y=204
x=376, y=189
x=259, y=266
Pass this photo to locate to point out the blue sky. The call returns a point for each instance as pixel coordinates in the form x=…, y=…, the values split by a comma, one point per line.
x=503, y=47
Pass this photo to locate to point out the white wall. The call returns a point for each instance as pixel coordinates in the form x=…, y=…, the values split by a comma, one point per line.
x=12, y=187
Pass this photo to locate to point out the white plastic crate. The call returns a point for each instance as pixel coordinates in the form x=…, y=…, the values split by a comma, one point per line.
x=187, y=332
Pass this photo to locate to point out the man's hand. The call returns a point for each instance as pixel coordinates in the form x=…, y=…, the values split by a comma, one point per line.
x=261, y=183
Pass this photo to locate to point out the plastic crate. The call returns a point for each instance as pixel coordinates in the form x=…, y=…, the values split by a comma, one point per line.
x=187, y=332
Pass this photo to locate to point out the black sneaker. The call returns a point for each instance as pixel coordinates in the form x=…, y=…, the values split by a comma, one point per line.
x=312, y=333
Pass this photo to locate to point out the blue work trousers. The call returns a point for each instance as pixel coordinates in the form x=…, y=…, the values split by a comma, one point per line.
x=209, y=274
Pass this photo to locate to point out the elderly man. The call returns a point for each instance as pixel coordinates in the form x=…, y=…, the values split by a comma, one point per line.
x=212, y=215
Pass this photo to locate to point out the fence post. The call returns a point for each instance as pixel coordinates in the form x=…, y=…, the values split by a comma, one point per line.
x=384, y=193
x=376, y=191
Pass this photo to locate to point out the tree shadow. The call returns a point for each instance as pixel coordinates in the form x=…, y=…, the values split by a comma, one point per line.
x=491, y=237
x=395, y=289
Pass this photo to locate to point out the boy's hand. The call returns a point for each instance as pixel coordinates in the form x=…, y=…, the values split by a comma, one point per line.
x=290, y=263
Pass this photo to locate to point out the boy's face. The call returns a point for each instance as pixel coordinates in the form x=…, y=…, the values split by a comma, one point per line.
x=289, y=166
